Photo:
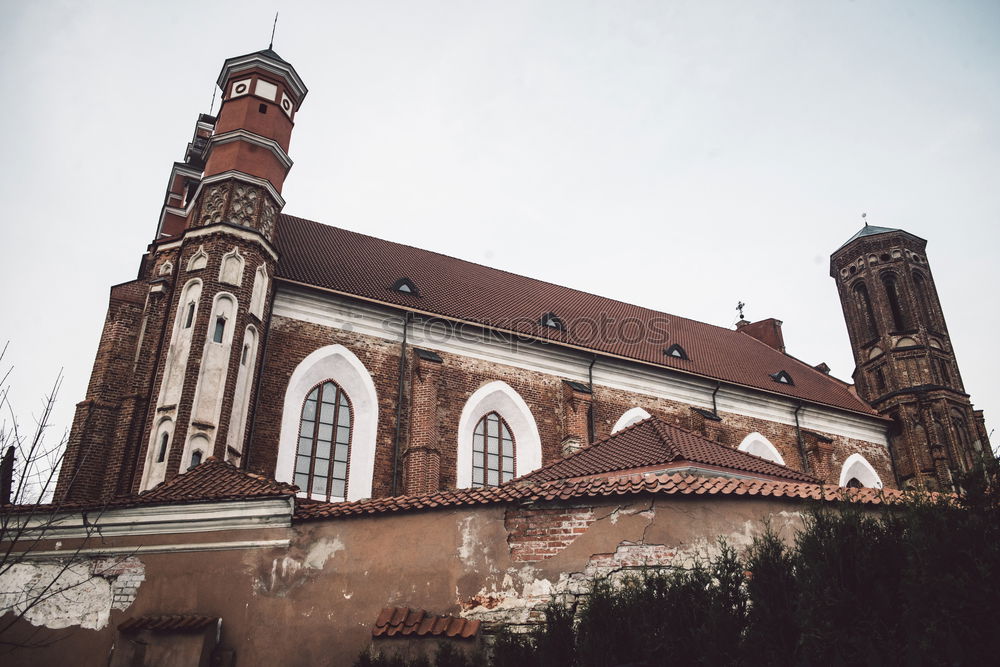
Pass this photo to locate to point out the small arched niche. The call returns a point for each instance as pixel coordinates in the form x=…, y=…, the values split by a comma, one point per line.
x=758, y=445
x=629, y=417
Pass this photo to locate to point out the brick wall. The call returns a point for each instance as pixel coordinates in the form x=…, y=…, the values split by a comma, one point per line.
x=534, y=534
x=435, y=394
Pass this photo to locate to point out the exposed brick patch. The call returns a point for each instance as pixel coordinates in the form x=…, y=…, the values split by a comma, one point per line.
x=125, y=576
x=633, y=555
x=537, y=534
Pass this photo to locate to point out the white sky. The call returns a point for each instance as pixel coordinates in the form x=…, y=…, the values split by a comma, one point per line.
x=677, y=155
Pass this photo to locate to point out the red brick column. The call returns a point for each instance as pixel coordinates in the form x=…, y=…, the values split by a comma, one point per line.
x=576, y=418
x=422, y=457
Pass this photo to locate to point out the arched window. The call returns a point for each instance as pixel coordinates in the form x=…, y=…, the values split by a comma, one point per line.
x=629, y=417
x=157, y=454
x=923, y=300
x=865, y=313
x=161, y=456
x=338, y=365
x=892, y=293
x=856, y=469
x=324, y=449
x=496, y=398
x=195, y=458
x=492, y=452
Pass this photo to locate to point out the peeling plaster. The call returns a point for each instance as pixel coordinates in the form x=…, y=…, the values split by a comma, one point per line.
x=321, y=552
x=521, y=596
x=466, y=551
x=83, y=593
x=283, y=576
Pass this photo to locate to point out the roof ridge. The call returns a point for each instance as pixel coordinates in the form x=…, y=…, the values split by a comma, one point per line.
x=364, y=263
x=528, y=476
x=658, y=427
x=511, y=273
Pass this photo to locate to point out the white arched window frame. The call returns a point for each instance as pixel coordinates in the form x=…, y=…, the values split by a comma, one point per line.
x=501, y=398
x=758, y=445
x=339, y=365
x=231, y=268
x=856, y=466
x=259, y=292
x=241, y=396
x=209, y=393
x=632, y=416
x=155, y=469
x=198, y=449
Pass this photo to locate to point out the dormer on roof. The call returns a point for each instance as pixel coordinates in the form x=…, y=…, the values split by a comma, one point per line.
x=782, y=377
x=552, y=321
x=676, y=351
x=406, y=286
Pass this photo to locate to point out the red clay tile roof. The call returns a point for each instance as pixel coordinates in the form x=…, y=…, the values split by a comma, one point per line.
x=168, y=623
x=210, y=481
x=215, y=480
x=597, y=487
x=406, y=622
x=355, y=264
x=654, y=442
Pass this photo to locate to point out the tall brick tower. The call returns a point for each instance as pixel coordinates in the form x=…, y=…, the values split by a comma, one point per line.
x=177, y=366
x=905, y=363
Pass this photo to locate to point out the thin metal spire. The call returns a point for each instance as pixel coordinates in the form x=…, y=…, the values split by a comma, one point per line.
x=273, y=28
x=864, y=218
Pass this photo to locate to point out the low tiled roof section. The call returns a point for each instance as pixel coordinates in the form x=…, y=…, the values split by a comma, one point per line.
x=215, y=480
x=655, y=442
x=364, y=266
x=406, y=622
x=598, y=487
x=209, y=481
x=168, y=623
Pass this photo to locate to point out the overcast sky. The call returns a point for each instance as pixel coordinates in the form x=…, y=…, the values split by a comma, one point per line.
x=678, y=155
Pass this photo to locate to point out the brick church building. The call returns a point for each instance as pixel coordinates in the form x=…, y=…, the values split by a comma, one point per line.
x=277, y=404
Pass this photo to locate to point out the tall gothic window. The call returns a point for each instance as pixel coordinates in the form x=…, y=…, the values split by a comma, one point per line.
x=492, y=452
x=865, y=312
x=924, y=301
x=899, y=321
x=324, y=443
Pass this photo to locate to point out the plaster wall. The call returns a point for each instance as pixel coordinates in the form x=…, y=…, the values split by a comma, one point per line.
x=314, y=602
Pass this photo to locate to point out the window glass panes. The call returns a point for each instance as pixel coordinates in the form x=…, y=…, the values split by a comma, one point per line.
x=492, y=452
x=321, y=463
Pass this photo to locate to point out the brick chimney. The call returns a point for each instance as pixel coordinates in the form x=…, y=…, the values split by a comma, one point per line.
x=766, y=331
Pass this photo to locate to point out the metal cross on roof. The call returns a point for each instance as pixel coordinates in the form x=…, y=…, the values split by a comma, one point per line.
x=739, y=308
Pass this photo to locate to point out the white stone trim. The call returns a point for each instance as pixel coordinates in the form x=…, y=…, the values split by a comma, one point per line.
x=161, y=519
x=629, y=417
x=499, y=397
x=232, y=267
x=257, y=140
x=246, y=178
x=339, y=365
x=758, y=445
x=857, y=466
x=199, y=260
x=258, y=294
x=222, y=228
x=234, y=65
x=159, y=549
x=370, y=319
